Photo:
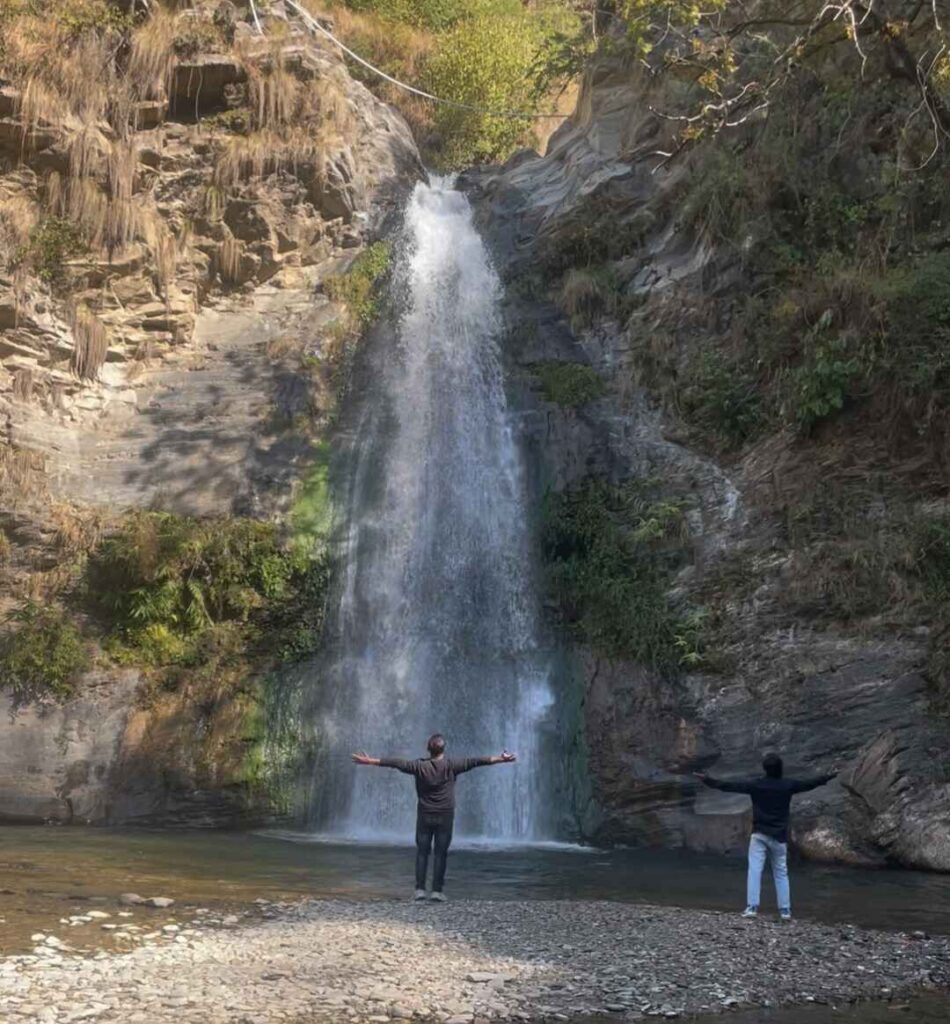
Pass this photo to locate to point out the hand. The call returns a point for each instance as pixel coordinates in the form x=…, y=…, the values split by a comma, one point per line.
x=360, y=757
x=506, y=756
x=700, y=775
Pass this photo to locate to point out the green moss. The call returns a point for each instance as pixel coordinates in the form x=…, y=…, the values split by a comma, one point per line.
x=610, y=554
x=43, y=654
x=311, y=515
x=569, y=384
x=356, y=289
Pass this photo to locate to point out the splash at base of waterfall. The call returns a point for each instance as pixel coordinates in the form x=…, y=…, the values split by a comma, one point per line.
x=438, y=621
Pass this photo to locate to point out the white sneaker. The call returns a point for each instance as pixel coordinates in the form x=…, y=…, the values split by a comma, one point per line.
x=437, y=897
x=750, y=912
x=785, y=915
x=420, y=895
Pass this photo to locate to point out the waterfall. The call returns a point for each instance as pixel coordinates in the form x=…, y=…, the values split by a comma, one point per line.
x=438, y=626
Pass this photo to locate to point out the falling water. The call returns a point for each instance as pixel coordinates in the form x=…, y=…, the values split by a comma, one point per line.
x=437, y=625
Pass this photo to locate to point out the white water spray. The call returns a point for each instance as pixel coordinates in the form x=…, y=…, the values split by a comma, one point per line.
x=438, y=627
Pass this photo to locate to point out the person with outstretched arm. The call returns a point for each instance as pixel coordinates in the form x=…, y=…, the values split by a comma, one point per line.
x=771, y=804
x=435, y=787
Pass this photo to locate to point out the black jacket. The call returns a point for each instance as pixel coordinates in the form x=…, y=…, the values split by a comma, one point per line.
x=771, y=799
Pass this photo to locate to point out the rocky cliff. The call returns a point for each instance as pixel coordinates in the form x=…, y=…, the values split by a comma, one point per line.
x=788, y=589
x=167, y=343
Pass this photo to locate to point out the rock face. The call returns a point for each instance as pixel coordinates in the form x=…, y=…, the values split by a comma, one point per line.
x=824, y=695
x=206, y=319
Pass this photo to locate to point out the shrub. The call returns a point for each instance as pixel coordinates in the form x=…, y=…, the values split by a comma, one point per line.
x=164, y=583
x=821, y=384
x=722, y=399
x=437, y=15
x=52, y=242
x=42, y=655
x=610, y=552
x=483, y=63
x=570, y=384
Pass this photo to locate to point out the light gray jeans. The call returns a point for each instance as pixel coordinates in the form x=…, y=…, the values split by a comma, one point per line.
x=760, y=847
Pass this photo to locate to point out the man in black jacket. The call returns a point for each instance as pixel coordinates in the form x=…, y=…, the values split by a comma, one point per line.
x=435, y=787
x=771, y=804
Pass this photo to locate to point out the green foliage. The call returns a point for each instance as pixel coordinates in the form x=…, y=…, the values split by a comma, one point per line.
x=197, y=34
x=437, y=15
x=52, y=242
x=821, y=383
x=167, y=583
x=722, y=399
x=562, y=60
x=80, y=16
x=356, y=289
x=483, y=63
x=569, y=384
x=610, y=554
x=42, y=655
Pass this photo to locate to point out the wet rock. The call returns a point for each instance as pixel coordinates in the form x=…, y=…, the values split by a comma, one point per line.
x=161, y=902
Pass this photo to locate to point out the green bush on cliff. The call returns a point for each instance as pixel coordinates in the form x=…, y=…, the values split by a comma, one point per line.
x=721, y=398
x=570, y=384
x=610, y=553
x=356, y=288
x=42, y=655
x=51, y=244
x=164, y=583
x=435, y=14
x=486, y=63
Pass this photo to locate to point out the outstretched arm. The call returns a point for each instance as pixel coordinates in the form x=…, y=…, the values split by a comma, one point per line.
x=465, y=764
x=363, y=758
x=738, y=786
x=399, y=763
x=804, y=785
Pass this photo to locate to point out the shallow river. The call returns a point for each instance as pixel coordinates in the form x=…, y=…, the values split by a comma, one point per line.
x=48, y=873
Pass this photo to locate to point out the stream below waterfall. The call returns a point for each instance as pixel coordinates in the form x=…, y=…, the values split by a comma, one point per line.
x=43, y=871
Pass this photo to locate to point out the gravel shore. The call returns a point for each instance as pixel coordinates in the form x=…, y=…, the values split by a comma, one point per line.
x=458, y=963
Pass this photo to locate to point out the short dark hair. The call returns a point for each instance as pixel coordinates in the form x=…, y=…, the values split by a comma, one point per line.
x=436, y=744
x=772, y=764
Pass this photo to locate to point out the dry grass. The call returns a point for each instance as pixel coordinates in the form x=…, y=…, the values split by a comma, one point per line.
x=229, y=257
x=396, y=48
x=23, y=384
x=80, y=86
x=76, y=530
x=91, y=343
x=585, y=294
x=18, y=218
x=89, y=86
x=22, y=471
x=152, y=60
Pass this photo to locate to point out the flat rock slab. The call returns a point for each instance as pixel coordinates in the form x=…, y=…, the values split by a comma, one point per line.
x=338, y=960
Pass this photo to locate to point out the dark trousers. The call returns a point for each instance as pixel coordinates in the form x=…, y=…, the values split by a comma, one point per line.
x=433, y=830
